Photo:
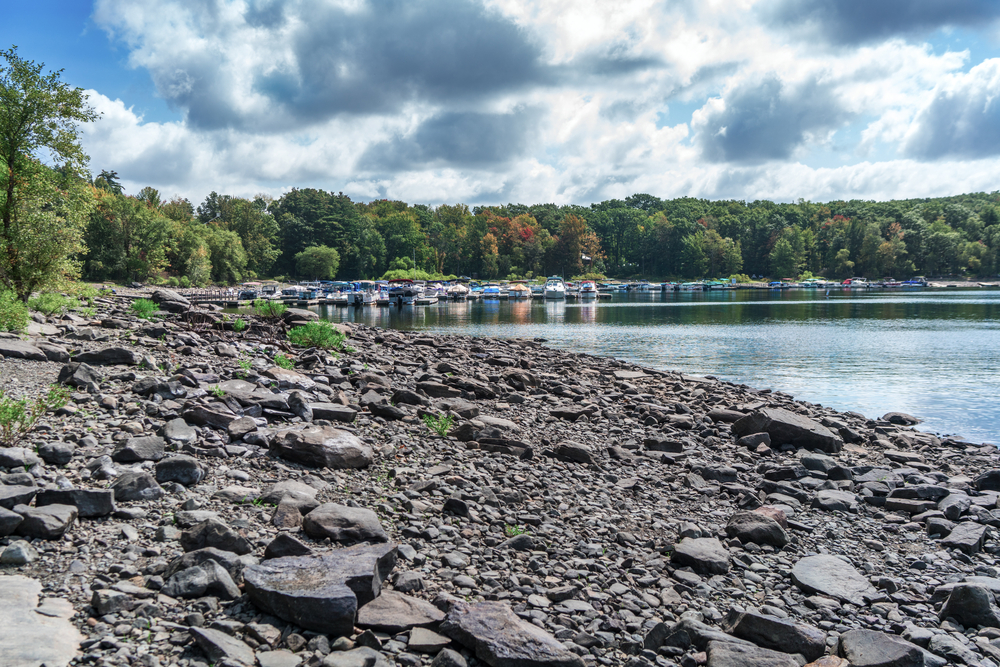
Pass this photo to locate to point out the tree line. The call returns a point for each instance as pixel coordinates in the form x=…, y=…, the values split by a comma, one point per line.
x=62, y=222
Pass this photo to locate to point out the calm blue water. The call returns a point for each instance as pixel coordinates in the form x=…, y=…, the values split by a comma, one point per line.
x=934, y=354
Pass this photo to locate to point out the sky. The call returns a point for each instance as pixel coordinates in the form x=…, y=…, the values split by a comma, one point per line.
x=532, y=101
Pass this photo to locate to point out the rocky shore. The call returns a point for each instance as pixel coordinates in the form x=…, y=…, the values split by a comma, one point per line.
x=448, y=501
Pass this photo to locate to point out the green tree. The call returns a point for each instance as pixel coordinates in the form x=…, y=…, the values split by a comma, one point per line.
x=317, y=262
x=127, y=237
x=42, y=212
x=694, y=261
x=783, y=259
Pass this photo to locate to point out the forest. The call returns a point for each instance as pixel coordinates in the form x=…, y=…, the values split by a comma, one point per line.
x=312, y=234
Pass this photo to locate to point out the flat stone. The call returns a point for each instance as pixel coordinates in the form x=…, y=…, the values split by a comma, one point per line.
x=49, y=522
x=182, y=469
x=136, y=486
x=832, y=500
x=729, y=654
x=30, y=638
x=967, y=537
x=11, y=496
x=133, y=450
x=757, y=528
x=11, y=348
x=357, y=657
x=830, y=576
x=777, y=634
x=423, y=640
x=89, y=503
x=705, y=555
x=333, y=412
x=280, y=658
x=214, y=533
x=343, y=524
x=322, y=447
x=869, y=648
x=321, y=592
x=289, y=379
x=219, y=646
x=111, y=356
x=179, y=431
x=18, y=457
x=500, y=638
x=787, y=427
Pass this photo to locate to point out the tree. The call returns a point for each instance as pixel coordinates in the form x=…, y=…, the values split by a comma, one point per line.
x=127, y=237
x=318, y=262
x=783, y=259
x=42, y=212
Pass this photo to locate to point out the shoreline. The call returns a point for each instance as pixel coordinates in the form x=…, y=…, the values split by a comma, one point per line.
x=629, y=515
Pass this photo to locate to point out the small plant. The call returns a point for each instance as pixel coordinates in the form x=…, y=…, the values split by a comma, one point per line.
x=217, y=391
x=284, y=362
x=144, y=308
x=513, y=531
x=13, y=312
x=440, y=425
x=269, y=309
x=317, y=334
x=239, y=325
x=87, y=312
x=105, y=291
x=50, y=303
x=19, y=416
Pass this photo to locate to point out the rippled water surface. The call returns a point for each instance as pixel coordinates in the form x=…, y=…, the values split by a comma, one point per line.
x=934, y=354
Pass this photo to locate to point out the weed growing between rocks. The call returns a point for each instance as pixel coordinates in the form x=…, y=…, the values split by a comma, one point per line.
x=284, y=362
x=13, y=312
x=239, y=325
x=144, y=308
x=19, y=416
x=51, y=303
x=317, y=334
x=440, y=424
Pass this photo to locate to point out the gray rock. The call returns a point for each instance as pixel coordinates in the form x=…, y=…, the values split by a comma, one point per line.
x=575, y=451
x=322, y=447
x=423, y=640
x=208, y=578
x=240, y=427
x=357, y=657
x=133, y=450
x=952, y=650
x=900, y=418
x=500, y=638
x=83, y=376
x=90, y=503
x=346, y=525
x=704, y=555
x=215, y=415
x=299, y=405
x=179, y=432
x=131, y=486
x=777, y=634
x=971, y=605
x=394, y=612
x=787, y=427
x=869, y=648
x=449, y=658
x=57, y=453
x=219, y=646
x=954, y=505
x=230, y=561
x=181, y=469
x=830, y=576
x=832, y=500
x=988, y=481
x=111, y=356
x=333, y=412
x=729, y=654
x=107, y=601
x=285, y=545
x=12, y=348
x=8, y=521
x=32, y=634
x=170, y=301
x=757, y=528
x=48, y=523
x=386, y=411
x=214, y=533
x=967, y=537
x=321, y=592
x=17, y=457
x=11, y=496
x=18, y=553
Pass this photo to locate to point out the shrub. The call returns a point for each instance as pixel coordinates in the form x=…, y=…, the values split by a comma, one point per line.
x=269, y=308
x=740, y=278
x=172, y=281
x=13, y=312
x=144, y=308
x=239, y=325
x=317, y=334
x=284, y=362
x=184, y=281
x=19, y=416
x=50, y=303
x=440, y=425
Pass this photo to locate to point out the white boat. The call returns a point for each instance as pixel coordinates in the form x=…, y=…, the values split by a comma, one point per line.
x=404, y=292
x=519, y=291
x=458, y=292
x=425, y=299
x=588, y=290
x=692, y=287
x=555, y=288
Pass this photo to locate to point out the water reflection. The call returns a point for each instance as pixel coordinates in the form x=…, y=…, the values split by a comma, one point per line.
x=934, y=354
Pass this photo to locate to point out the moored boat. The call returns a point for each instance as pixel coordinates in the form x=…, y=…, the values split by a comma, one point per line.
x=555, y=288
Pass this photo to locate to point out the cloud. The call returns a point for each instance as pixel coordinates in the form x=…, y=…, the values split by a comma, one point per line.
x=860, y=21
x=767, y=119
x=962, y=118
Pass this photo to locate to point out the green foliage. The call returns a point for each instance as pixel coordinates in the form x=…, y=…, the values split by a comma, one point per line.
x=144, y=308
x=317, y=262
x=184, y=282
x=740, y=278
x=402, y=274
x=439, y=424
x=51, y=303
x=172, y=281
x=594, y=275
x=514, y=530
x=13, y=312
x=269, y=308
x=127, y=237
x=217, y=391
x=284, y=362
x=317, y=334
x=19, y=416
x=239, y=325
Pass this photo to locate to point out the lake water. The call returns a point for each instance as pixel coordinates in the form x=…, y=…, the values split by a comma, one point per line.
x=934, y=354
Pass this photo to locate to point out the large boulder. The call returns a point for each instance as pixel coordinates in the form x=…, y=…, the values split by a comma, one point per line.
x=971, y=605
x=870, y=648
x=13, y=348
x=757, y=528
x=321, y=592
x=500, y=638
x=170, y=301
x=776, y=633
x=111, y=356
x=343, y=524
x=322, y=447
x=787, y=427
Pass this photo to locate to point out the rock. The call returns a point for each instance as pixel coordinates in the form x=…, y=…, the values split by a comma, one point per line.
x=499, y=638
x=449, y=658
x=181, y=469
x=777, y=634
x=321, y=592
x=394, y=612
x=868, y=648
x=8, y=521
x=18, y=457
x=299, y=405
x=952, y=650
x=322, y=447
x=215, y=415
x=147, y=448
x=438, y=390
x=967, y=537
x=357, y=657
x=954, y=505
x=757, y=528
x=13, y=495
x=214, y=533
x=107, y=601
x=111, y=356
x=195, y=582
x=423, y=640
x=32, y=634
x=289, y=379
x=346, y=525
x=988, y=481
x=229, y=561
x=179, y=432
x=18, y=553
x=12, y=348
x=170, y=301
x=574, y=451
x=48, y=523
x=333, y=412
x=240, y=427
x=900, y=418
x=830, y=576
x=287, y=489
x=704, y=555
x=80, y=375
x=386, y=411
x=728, y=654
x=57, y=453
x=835, y=501
x=132, y=486
x=285, y=545
x=971, y=605
x=219, y=646
x=522, y=542
x=89, y=503
x=788, y=427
